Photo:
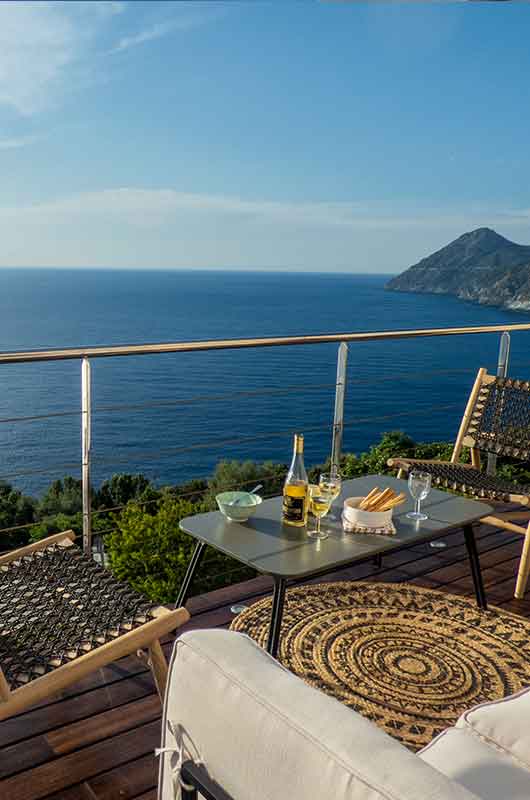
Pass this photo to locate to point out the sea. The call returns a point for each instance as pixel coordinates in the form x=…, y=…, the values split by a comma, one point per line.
x=173, y=417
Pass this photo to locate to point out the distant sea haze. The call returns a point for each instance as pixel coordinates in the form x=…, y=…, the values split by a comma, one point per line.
x=165, y=415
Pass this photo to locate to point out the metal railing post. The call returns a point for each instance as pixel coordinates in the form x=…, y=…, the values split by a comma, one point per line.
x=338, y=419
x=85, y=454
x=502, y=371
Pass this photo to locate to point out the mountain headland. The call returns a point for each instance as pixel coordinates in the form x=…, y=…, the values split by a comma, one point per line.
x=480, y=266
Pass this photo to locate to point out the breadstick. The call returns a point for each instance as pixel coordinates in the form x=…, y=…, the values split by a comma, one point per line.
x=374, y=500
x=369, y=497
x=396, y=501
x=382, y=500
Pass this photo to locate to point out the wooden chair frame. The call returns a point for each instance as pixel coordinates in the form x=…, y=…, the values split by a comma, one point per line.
x=503, y=519
x=145, y=636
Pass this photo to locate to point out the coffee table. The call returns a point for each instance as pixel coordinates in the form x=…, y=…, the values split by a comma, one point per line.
x=271, y=548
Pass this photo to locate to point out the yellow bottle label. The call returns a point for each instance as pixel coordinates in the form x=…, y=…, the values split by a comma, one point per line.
x=294, y=510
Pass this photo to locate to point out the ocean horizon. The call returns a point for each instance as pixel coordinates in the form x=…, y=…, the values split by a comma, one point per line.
x=165, y=415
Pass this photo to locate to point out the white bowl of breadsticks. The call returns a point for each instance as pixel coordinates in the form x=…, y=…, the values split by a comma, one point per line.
x=374, y=510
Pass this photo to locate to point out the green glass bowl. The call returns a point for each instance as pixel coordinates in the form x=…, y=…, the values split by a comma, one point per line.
x=246, y=505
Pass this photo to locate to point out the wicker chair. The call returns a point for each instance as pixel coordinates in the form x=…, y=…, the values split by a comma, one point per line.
x=497, y=421
x=62, y=615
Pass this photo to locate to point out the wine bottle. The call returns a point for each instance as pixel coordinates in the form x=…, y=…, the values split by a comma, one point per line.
x=295, y=488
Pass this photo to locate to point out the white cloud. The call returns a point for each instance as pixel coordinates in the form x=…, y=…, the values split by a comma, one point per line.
x=156, y=205
x=154, y=32
x=185, y=17
x=15, y=142
x=164, y=228
x=160, y=206
x=43, y=47
x=50, y=48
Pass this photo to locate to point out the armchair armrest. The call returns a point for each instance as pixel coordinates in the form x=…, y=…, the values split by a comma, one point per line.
x=65, y=539
x=264, y=734
x=403, y=462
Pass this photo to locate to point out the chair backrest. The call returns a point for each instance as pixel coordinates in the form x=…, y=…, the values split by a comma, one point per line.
x=497, y=417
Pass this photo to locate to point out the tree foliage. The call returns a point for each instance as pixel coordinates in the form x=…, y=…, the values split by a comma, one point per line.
x=15, y=509
x=63, y=497
x=121, y=489
x=244, y=475
x=152, y=554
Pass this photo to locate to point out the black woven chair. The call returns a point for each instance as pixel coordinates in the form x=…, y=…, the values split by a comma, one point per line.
x=62, y=615
x=497, y=421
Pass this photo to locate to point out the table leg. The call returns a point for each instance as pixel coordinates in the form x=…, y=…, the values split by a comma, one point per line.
x=278, y=599
x=474, y=563
x=190, y=572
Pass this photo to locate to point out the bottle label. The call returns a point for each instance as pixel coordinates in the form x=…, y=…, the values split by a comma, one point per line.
x=293, y=508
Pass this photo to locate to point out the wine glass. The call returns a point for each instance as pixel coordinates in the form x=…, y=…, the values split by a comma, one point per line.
x=320, y=502
x=419, y=487
x=331, y=482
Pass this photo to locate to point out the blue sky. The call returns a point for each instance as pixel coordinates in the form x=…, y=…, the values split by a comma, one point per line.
x=311, y=136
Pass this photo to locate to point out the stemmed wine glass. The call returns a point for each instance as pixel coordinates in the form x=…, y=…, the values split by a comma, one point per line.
x=320, y=503
x=419, y=487
x=331, y=482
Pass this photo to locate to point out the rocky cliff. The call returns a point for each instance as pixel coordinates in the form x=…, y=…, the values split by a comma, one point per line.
x=481, y=266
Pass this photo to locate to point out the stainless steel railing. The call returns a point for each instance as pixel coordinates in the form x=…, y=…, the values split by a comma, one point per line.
x=85, y=354
x=23, y=356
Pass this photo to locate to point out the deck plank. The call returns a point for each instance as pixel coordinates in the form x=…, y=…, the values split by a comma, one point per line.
x=110, y=723
x=77, y=767
x=140, y=776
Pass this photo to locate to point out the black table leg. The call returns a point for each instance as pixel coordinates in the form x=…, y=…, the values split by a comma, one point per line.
x=190, y=572
x=278, y=598
x=474, y=563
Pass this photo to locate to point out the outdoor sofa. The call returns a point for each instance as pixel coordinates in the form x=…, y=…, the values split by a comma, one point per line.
x=235, y=719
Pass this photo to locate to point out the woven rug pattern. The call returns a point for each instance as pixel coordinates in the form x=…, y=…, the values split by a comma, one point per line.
x=409, y=659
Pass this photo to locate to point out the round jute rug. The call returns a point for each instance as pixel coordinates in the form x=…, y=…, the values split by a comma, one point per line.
x=410, y=659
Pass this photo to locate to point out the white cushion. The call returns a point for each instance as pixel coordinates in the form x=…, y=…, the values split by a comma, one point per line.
x=504, y=724
x=264, y=734
x=466, y=758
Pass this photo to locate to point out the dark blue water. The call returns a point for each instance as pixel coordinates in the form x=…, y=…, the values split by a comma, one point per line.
x=389, y=387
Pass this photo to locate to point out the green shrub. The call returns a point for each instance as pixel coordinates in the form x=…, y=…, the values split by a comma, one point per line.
x=122, y=488
x=62, y=497
x=15, y=509
x=191, y=490
x=56, y=523
x=152, y=554
x=244, y=475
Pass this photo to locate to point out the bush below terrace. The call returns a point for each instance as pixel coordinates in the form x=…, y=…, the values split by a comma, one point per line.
x=145, y=546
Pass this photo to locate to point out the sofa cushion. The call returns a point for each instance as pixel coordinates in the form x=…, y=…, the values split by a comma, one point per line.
x=263, y=734
x=504, y=724
x=483, y=769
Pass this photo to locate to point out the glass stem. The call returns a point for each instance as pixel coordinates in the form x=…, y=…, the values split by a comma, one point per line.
x=418, y=502
x=318, y=526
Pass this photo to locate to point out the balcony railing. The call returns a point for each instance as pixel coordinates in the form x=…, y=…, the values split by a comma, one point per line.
x=344, y=340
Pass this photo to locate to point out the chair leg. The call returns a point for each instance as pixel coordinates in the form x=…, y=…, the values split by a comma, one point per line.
x=524, y=566
x=157, y=662
x=400, y=472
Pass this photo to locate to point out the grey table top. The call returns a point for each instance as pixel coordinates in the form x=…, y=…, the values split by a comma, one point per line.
x=270, y=547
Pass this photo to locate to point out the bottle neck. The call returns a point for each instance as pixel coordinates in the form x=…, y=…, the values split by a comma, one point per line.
x=297, y=468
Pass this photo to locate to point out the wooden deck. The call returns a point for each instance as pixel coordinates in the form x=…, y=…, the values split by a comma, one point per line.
x=96, y=741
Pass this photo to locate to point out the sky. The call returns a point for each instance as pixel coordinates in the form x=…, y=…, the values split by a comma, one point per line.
x=332, y=136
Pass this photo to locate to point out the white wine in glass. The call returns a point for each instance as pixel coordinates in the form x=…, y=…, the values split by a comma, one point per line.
x=332, y=483
x=320, y=503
